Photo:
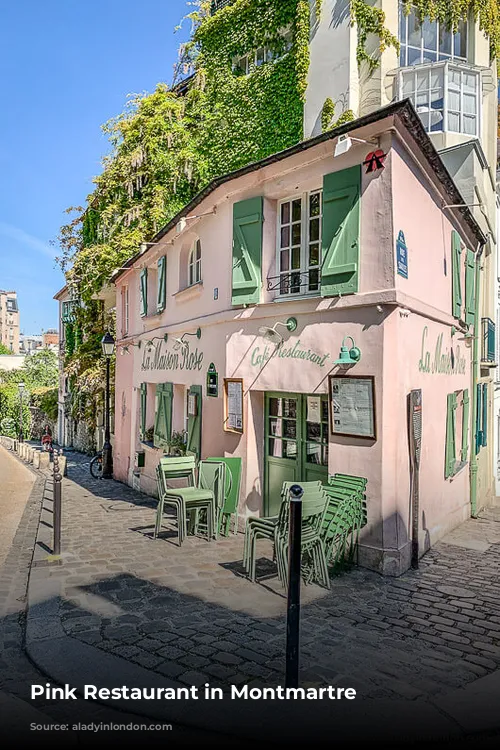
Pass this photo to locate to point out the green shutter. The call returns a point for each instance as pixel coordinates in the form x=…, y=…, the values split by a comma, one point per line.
x=248, y=219
x=450, y=451
x=144, y=397
x=456, y=284
x=144, y=292
x=163, y=415
x=194, y=423
x=465, y=426
x=484, y=425
x=161, y=297
x=340, y=232
x=479, y=417
x=470, y=288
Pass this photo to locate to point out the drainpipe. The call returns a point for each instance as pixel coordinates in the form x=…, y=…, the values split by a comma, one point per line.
x=475, y=379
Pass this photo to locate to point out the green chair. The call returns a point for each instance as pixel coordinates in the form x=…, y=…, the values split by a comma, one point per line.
x=211, y=476
x=231, y=494
x=183, y=499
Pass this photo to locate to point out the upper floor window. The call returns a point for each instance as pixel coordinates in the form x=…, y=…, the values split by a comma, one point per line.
x=426, y=41
x=299, y=244
x=11, y=305
x=194, y=264
x=246, y=64
x=445, y=95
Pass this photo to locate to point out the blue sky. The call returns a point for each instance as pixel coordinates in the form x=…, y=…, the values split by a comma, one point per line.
x=65, y=67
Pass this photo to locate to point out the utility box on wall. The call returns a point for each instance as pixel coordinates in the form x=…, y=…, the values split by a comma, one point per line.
x=140, y=459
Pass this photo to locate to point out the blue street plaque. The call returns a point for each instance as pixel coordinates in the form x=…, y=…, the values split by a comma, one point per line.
x=402, y=255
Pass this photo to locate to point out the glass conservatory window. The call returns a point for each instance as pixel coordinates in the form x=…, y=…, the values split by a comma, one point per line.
x=429, y=41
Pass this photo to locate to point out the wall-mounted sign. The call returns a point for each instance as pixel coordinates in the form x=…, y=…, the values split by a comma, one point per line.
x=233, y=405
x=162, y=357
x=447, y=362
x=260, y=356
x=314, y=409
x=352, y=404
x=402, y=255
x=212, y=381
x=374, y=161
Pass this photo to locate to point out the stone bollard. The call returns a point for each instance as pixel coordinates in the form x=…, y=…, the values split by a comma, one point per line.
x=62, y=465
x=44, y=460
x=36, y=459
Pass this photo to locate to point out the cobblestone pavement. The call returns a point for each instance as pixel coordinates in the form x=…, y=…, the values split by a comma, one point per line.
x=190, y=614
x=17, y=673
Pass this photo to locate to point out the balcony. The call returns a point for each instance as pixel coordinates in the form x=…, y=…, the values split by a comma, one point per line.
x=68, y=311
x=487, y=343
x=294, y=283
x=446, y=95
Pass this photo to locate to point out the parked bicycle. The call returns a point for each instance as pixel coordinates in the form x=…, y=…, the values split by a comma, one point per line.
x=96, y=466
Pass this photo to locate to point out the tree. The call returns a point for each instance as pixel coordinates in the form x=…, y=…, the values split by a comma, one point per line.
x=40, y=369
x=4, y=349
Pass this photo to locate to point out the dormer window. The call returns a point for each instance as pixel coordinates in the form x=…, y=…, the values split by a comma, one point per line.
x=426, y=41
x=194, y=264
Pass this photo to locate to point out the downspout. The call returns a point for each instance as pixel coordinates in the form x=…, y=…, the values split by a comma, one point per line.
x=475, y=378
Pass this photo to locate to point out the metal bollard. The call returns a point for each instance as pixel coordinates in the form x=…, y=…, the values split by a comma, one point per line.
x=293, y=604
x=57, y=506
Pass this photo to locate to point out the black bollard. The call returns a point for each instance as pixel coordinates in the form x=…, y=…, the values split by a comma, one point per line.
x=293, y=605
x=57, y=506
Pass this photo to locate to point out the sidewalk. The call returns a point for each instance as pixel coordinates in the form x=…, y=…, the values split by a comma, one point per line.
x=124, y=609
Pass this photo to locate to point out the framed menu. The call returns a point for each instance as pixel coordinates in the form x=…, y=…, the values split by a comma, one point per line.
x=233, y=405
x=352, y=406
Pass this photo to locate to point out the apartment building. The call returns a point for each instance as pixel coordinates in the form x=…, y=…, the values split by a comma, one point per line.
x=9, y=321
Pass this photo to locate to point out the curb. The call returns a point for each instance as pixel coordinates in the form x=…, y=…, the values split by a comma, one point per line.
x=460, y=714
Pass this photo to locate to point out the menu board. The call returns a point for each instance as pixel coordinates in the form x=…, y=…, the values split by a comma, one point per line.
x=233, y=390
x=352, y=403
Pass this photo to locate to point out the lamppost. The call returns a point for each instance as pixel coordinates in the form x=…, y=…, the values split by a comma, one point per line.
x=108, y=348
x=21, y=391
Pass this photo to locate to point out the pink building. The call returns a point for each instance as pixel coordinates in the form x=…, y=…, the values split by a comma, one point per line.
x=230, y=322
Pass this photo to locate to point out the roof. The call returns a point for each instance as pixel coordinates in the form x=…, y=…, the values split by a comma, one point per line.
x=60, y=293
x=404, y=110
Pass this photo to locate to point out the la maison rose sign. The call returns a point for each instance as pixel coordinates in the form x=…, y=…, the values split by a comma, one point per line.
x=447, y=362
x=163, y=358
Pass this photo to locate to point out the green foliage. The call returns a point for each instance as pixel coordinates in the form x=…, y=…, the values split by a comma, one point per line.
x=178, y=443
x=327, y=114
x=4, y=349
x=46, y=399
x=10, y=407
x=40, y=369
x=69, y=338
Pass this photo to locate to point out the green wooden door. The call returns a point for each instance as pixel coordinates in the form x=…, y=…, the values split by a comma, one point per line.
x=295, y=449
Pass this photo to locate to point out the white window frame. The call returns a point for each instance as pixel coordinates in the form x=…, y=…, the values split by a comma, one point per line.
x=194, y=264
x=447, y=66
x=250, y=61
x=439, y=56
x=125, y=311
x=305, y=267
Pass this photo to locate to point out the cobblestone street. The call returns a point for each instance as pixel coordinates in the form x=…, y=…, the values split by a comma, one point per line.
x=190, y=614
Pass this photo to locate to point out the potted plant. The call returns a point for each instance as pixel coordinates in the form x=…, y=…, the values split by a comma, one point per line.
x=149, y=435
x=178, y=443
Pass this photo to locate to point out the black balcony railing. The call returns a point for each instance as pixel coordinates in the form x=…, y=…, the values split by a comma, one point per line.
x=488, y=341
x=219, y=4
x=295, y=282
x=68, y=310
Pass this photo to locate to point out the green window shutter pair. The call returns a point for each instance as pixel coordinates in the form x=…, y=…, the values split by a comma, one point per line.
x=144, y=397
x=144, y=291
x=194, y=423
x=248, y=221
x=163, y=415
x=341, y=232
x=456, y=282
x=450, y=451
x=470, y=288
x=465, y=427
x=161, y=296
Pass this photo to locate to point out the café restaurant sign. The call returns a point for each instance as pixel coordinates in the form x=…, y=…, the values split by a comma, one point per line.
x=261, y=356
x=447, y=362
x=162, y=358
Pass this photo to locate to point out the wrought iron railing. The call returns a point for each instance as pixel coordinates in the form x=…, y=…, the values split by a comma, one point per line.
x=219, y=4
x=488, y=341
x=295, y=282
x=68, y=310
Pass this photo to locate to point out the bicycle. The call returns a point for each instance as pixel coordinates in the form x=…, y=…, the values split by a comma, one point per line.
x=96, y=466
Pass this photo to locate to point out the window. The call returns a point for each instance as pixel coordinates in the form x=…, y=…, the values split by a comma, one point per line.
x=488, y=348
x=246, y=64
x=457, y=432
x=299, y=244
x=426, y=41
x=445, y=95
x=125, y=311
x=194, y=264
x=143, y=289
x=481, y=416
x=11, y=305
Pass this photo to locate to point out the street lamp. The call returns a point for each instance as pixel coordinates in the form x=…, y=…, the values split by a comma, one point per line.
x=21, y=391
x=108, y=349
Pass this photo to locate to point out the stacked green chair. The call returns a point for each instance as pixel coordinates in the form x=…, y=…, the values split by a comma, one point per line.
x=345, y=516
x=231, y=494
x=314, y=564
x=211, y=476
x=265, y=527
x=183, y=499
